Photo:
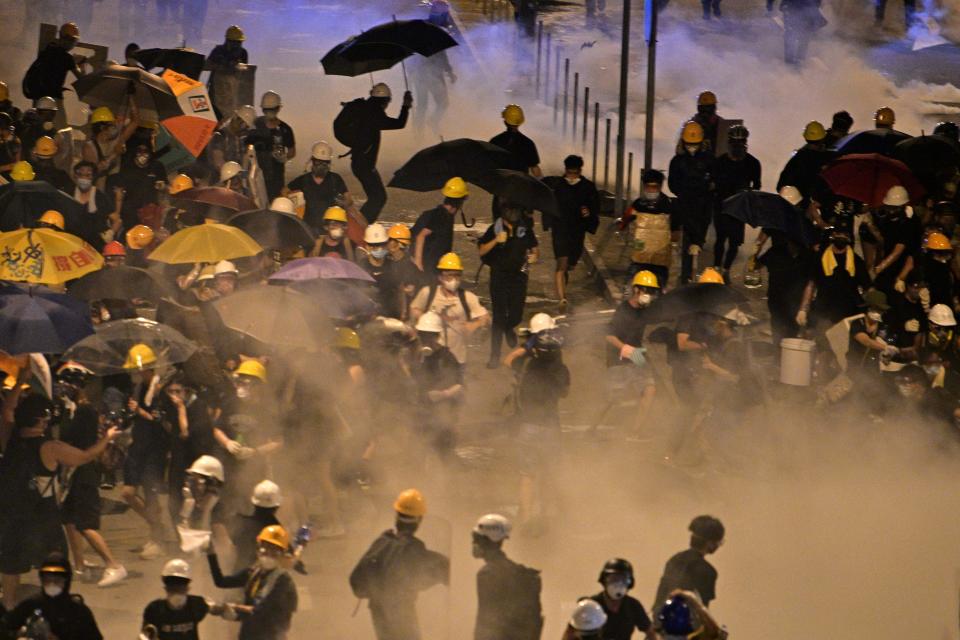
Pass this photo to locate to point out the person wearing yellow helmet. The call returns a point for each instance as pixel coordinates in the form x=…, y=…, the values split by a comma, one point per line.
x=321, y=187
x=433, y=231
x=706, y=115
x=42, y=158
x=382, y=575
x=401, y=276
x=105, y=146
x=690, y=181
x=225, y=62
x=935, y=263
x=522, y=148
x=803, y=168
x=333, y=241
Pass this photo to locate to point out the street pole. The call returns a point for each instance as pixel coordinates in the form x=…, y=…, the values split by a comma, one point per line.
x=651, y=33
x=622, y=111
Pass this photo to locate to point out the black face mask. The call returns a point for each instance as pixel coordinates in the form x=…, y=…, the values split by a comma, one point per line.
x=707, y=109
x=840, y=243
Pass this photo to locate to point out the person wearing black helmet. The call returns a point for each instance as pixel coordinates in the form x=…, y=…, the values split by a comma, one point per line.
x=734, y=171
x=624, y=612
x=947, y=130
x=689, y=569
x=683, y=616
x=61, y=614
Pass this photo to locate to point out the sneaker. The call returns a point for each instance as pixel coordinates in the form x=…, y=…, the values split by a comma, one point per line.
x=112, y=575
x=151, y=551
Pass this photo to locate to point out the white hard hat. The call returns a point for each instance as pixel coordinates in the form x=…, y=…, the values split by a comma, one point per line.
x=588, y=616
x=266, y=494
x=284, y=205
x=375, y=234
x=225, y=267
x=791, y=194
x=207, y=466
x=230, y=170
x=380, y=90
x=896, y=196
x=942, y=315
x=493, y=526
x=48, y=103
x=176, y=568
x=542, y=322
x=322, y=151
x=430, y=322
x=246, y=113
x=271, y=100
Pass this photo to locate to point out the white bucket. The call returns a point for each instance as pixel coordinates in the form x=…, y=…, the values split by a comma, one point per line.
x=796, y=361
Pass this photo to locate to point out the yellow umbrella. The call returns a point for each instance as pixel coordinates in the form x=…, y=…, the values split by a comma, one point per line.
x=209, y=242
x=45, y=256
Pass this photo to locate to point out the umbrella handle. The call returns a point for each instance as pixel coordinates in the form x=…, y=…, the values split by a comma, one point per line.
x=463, y=217
x=403, y=66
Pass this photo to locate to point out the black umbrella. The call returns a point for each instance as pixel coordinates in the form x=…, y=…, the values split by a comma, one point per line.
x=35, y=319
x=927, y=156
x=871, y=141
x=385, y=45
x=521, y=189
x=120, y=283
x=189, y=63
x=770, y=211
x=274, y=229
x=113, y=84
x=22, y=204
x=692, y=298
x=469, y=159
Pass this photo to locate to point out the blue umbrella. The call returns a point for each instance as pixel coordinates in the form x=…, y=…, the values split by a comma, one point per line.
x=36, y=320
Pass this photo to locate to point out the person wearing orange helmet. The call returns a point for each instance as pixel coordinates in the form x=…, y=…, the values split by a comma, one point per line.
x=690, y=181
x=42, y=160
x=47, y=75
x=225, y=62
x=114, y=255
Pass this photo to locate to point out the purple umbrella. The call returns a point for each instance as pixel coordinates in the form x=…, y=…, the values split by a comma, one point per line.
x=38, y=320
x=305, y=269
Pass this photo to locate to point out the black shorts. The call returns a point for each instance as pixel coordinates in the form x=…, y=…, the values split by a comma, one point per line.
x=82, y=508
x=568, y=244
x=140, y=470
x=26, y=539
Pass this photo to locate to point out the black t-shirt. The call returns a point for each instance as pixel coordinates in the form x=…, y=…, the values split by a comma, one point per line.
x=440, y=241
x=54, y=63
x=520, y=146
x=140, y=186
x=621, y=623
x=687, y=570
x=628, y=326
x=176, y=624
x=732, y=176
x=511, y=255
x=266, y=141
x=57, y=177
x=901, y=312
x=319, y=197
x=860, y=355
x=397, y=274
x=546, y=379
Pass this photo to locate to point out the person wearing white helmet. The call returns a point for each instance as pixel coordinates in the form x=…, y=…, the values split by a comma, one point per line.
x=321, y=187
x=892, y=229
x=266, y=499
x=225, y=276
x=178, y=614
x=231, y=175
x=359, y=126
x=508, y=593
x=941, y=334
x=373, y=257
x=274, y=142
x=440, y=384
x=586, y=622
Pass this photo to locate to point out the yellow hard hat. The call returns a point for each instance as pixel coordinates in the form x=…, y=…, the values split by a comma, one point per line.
x=139, y=356
x=936, y=241
x=347, y=338
x=814, y=132
x=69, y=30
x=692, y=133
x=22, y=171
x=148, y=124
x=335, y=214
x=710, y=276
x=400, y=233
x=450, y=262
x=252, y=368
x=410, y=503
x=139, y=237
x=102, y=114
x=180, y=183
x=646, y=279
x=275, y=535
x=706, y=98
x=455, y=188
x=513, y=115
x=884, y=117
x=235, y=33
x=4, y=91
x=53, y=219
x=45, y=147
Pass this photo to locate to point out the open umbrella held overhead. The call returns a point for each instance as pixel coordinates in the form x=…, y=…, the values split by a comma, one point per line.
x=36, y=320
x=106, y=352
x=472, y=160
x=45, y=256
x=209, y=242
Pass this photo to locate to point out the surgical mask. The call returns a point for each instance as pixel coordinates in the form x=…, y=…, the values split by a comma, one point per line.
x=141, y=160
x=267, y=563
x=243, y=393
x=644, y=299
x=616, y=590
x=875, y=316
x=84, y=184
x=571, y=180
x=651, y=195
x=426, y=352
x=52, y=590
x=942, y=258
x=320, y=170
x=336, y=233
x=177, y=600
x=691, y=148
x=379, y=253
x=451, y=285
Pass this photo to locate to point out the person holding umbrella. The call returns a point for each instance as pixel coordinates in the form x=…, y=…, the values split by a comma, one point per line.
x=433, y=231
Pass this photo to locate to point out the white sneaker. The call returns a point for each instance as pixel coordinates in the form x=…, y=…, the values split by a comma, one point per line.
x=112, y=575
x=151, y=551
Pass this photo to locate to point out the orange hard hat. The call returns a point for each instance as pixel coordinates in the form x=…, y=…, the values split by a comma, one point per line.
x=114, y=249
x=139, y=237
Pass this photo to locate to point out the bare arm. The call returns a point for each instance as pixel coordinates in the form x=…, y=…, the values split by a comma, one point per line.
x=54, y=452
x=418, y=249
x=536, y=172
x=868, y=342
x=684, y=343
x=890, y=259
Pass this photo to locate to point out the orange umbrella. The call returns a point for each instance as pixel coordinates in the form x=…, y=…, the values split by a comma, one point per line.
x=195, y=126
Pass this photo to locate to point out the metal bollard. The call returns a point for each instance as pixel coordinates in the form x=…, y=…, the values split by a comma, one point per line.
x=556, y=107
x=536, y=90
x=566, y=90
x=556, y=71
x=576, y=107
x=546, y=71
x=629, y=176
x=606, y=159
x=586, y=116
x=596, y=138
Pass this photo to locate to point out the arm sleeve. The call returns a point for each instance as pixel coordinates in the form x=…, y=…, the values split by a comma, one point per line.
x=477, y=310
x=487, y=236
x=281, y=602
x=235, y=581
x=386, y=123
x=674, y=177
x=296, y=184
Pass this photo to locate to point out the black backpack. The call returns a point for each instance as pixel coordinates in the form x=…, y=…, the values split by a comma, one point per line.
x=34, y=81
x=528, y=614
x=348, y=125
x=371, y=568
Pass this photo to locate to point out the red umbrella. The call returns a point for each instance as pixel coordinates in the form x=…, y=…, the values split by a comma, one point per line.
x=867, y=177
x=218, y=197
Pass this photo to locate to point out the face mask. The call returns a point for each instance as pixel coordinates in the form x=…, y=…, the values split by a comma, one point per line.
x=691, y=148
x=905, y=390
x=267, y=563
x=738, y=153
x=177, y=600
x=875, y=316
x=941, y=258
x=939, y=336
x=47, y=126
x=52, y=590
x=141, y=160
x=841, y=244
x=243, y=393
x=336, y=233
x=651, y=195
x=572, y=180
x=616, y=590
x=451, y=285
x=320, y=170
x=84, y=184
x=644, y=299
x=426, y=352
x=378, y=254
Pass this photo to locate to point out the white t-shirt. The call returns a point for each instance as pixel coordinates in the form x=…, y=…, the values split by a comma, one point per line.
x=448, y=306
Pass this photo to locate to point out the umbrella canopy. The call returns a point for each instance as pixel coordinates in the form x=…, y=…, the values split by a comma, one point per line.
x=22, y=204
x=867, y=177
x=384, y=46
x=218, y=197
x=770, y=211
x=469, y=159
x=45, y=256
x=40, y=377
x=521, y=189
x=274, y=229
x=113, y=84
x=105, y=352
x=339, y=299
x=275, y=316
x=927, y=156
x=692, y=298
x=36, y=320
x=120, y=283
x=194, y=125
x=880, y=141
x=189, y=63
x=304, y=269
x=206, y=243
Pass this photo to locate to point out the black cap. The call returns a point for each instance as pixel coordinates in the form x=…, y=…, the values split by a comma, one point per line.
x=651, y=175
x=707, y=527
x=842, y=120
x=573, y=162
x=30, y=409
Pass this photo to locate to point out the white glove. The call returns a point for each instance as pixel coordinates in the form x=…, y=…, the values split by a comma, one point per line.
x=694, y=250
x=625, y=352
x=912, y=326
x=234, y=447
x=925, y=298
x=900, y=286
x=801, y=318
